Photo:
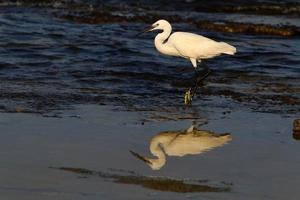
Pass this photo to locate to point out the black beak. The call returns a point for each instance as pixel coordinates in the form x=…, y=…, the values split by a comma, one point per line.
x=146, y=30
x=142, y=158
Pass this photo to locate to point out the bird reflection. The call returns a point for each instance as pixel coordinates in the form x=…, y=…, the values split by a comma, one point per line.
x=181, y=143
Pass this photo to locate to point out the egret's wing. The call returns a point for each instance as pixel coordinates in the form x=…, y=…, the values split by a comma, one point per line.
x=195, y=144
x=191, y=45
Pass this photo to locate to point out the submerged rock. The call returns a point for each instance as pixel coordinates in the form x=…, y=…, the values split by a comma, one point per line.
x=261, y=29
x=108, y=16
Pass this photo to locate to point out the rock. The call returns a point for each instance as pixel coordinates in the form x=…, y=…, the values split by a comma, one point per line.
x=296, y=129
x=296, y=125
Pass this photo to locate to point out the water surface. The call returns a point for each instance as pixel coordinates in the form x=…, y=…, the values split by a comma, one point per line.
x=79, y=91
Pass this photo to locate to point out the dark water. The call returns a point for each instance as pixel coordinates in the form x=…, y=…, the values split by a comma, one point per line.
x=54, y=55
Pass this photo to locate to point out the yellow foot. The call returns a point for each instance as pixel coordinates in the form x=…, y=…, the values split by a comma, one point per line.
x=187, y=97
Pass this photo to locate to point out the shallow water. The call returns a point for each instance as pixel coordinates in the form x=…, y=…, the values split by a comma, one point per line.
x=93, y=143
x=49, y=63
x=79, y=91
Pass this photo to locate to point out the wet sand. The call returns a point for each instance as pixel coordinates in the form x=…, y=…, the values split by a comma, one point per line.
x=84, y=154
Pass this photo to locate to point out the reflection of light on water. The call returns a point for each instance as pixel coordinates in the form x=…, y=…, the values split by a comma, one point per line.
x=181, y=143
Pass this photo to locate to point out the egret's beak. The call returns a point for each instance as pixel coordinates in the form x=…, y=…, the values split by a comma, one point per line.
x=224, y=134
x=146, y=30
x=142, y=158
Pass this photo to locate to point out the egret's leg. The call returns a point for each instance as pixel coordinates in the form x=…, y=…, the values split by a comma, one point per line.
x=194, y=62
x=198, y=80
x=203, y=75
x=187, y=131
x=188, y=93
x=196, y=73
x=187, y=97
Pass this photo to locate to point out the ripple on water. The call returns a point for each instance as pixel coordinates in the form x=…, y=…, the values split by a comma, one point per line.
x=53, y=64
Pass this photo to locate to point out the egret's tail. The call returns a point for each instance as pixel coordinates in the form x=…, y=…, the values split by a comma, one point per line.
x=227, y=49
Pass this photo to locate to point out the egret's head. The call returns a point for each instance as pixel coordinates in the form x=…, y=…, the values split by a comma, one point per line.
x=154, y=164
x=158, y=25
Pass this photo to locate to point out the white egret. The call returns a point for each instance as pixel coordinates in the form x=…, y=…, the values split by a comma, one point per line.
x=181, y=143
x=187, y=45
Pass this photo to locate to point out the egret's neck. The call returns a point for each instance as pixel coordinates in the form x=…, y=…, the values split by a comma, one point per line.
x=160, y=41
x=161, y=37
x=157, y=151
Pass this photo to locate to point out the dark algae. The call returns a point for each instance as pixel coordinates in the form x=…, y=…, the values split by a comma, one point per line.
x=99, y=17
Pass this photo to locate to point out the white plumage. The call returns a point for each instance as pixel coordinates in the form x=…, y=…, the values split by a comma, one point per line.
x=187, y=45
x=181, y=143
